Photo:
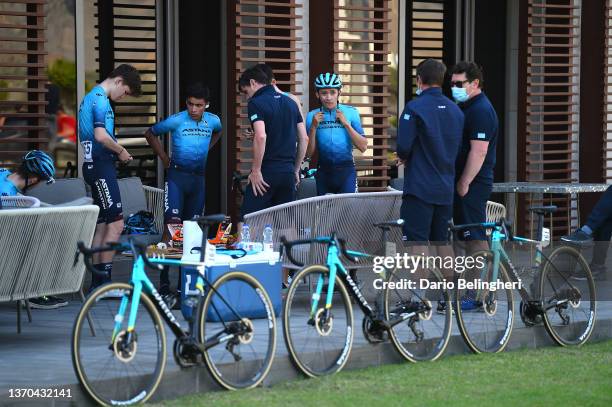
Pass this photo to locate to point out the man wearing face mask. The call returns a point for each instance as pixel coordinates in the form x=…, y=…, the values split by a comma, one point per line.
x=428, y=140
x=476, y=159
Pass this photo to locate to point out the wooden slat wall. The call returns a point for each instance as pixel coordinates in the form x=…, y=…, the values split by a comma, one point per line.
x=552, y=116
x=127, y=34
x=266, y=32
x=427, y=22
x=22, y=79
x=361, y=49
x=607, y=103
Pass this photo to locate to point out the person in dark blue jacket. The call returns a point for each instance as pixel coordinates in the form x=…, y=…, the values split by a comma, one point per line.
x=428, y=140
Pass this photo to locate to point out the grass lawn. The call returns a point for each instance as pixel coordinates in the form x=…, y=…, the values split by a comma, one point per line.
x=550, y=376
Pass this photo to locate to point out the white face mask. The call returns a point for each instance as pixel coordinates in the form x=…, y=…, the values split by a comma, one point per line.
x=419, y=91
x=459, y=94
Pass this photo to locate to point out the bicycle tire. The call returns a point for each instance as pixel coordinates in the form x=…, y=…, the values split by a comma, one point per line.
x=295, y=317
x=471, y=323
x=106, y=390
x=577, y=330
x=408, y=336
x=220, y=371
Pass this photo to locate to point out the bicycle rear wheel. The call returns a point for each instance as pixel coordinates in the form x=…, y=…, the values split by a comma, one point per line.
x=240, y=348
x=567, y=291
x=485, y=317
x=317, y=346
x=422, y=333
x=126, y=369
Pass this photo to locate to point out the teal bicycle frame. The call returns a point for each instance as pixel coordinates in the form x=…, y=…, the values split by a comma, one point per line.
x=334, y=264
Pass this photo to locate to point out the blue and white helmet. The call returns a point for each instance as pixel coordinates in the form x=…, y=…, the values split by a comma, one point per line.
x=39, y=163
x=328, y=80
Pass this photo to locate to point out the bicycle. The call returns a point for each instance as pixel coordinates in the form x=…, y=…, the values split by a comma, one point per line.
x=566, y=306
x=122, y=359
x=319, y=341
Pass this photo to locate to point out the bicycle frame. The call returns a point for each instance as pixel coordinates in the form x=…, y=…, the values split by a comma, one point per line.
x=336, y=267
x=141, y=282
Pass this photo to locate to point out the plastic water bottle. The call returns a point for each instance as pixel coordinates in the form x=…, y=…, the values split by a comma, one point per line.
x=268, y=245
x=245, y=237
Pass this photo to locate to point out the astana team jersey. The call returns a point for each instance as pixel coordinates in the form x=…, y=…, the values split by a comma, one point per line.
x=190, y=138
x=333, y=140
x=96, y=111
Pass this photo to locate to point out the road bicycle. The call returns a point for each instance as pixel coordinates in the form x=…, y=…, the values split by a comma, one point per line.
x=318, y=326
x=121, y=358
x=563, y=293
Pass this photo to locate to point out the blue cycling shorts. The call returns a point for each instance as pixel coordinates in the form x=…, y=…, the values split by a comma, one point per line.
x=336, y=180
x=101, y=176
x=184, y=195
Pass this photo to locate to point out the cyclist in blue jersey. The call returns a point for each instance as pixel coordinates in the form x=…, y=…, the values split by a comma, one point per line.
x=100, y=151
x=35, y=167
x=194, y=132
x=333, y=130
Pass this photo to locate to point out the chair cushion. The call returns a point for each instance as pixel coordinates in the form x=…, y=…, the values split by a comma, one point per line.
x=132, y=196
x=61, y=191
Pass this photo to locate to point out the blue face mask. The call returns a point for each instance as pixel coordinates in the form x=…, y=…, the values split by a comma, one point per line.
x=459, y=94
x=419, y=91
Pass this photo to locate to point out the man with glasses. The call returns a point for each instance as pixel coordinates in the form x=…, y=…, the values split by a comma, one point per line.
x=476, y=159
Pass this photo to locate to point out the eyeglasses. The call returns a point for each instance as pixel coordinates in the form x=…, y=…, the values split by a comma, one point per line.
x=458, y=84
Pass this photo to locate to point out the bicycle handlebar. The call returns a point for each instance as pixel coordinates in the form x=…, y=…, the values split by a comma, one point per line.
x=285, y=244
x=137, y=248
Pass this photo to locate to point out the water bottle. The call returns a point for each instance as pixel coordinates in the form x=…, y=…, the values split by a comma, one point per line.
x=268, y=245
x=245, y=237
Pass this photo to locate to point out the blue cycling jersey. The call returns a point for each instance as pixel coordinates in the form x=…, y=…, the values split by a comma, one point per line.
x=190, y=139
x=7, y=188
x=96, y=111
x=333, y=140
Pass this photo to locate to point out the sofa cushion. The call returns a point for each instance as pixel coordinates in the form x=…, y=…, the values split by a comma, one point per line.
x=132, y=196
x=61, y=191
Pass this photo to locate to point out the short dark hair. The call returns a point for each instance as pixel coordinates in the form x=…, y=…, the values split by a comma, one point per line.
x=198, y=91
x=266, y=69
x=431, y=72
x=471, y=70
x=130, y=77
x=253, y=73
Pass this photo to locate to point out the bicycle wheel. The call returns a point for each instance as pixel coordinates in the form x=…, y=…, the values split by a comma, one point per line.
x=485, y=317
x=317, y=346
x=567, y=292
x=240, y=347
x=124, y=370
x=422, y=334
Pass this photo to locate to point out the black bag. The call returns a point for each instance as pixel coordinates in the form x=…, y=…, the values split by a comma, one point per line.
x=140, y=223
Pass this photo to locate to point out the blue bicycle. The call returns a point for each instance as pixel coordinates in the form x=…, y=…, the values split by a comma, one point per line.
x=563, y=293
x=121, y=358
x=318, y=314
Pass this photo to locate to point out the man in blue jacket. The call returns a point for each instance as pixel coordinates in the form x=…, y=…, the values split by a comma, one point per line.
x=429, y=136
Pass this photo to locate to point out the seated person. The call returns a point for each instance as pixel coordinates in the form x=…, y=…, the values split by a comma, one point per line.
x=598, y=227
x=35, y=167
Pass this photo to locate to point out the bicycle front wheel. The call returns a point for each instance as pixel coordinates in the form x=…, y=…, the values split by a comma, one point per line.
x=238, y=329
x=485, y=317
x=567, y=292
x=319, y=343
x=126, y=369
x=417, y=331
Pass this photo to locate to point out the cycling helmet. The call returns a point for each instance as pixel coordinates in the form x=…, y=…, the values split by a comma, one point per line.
x=328, y=80
x=39, y=163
